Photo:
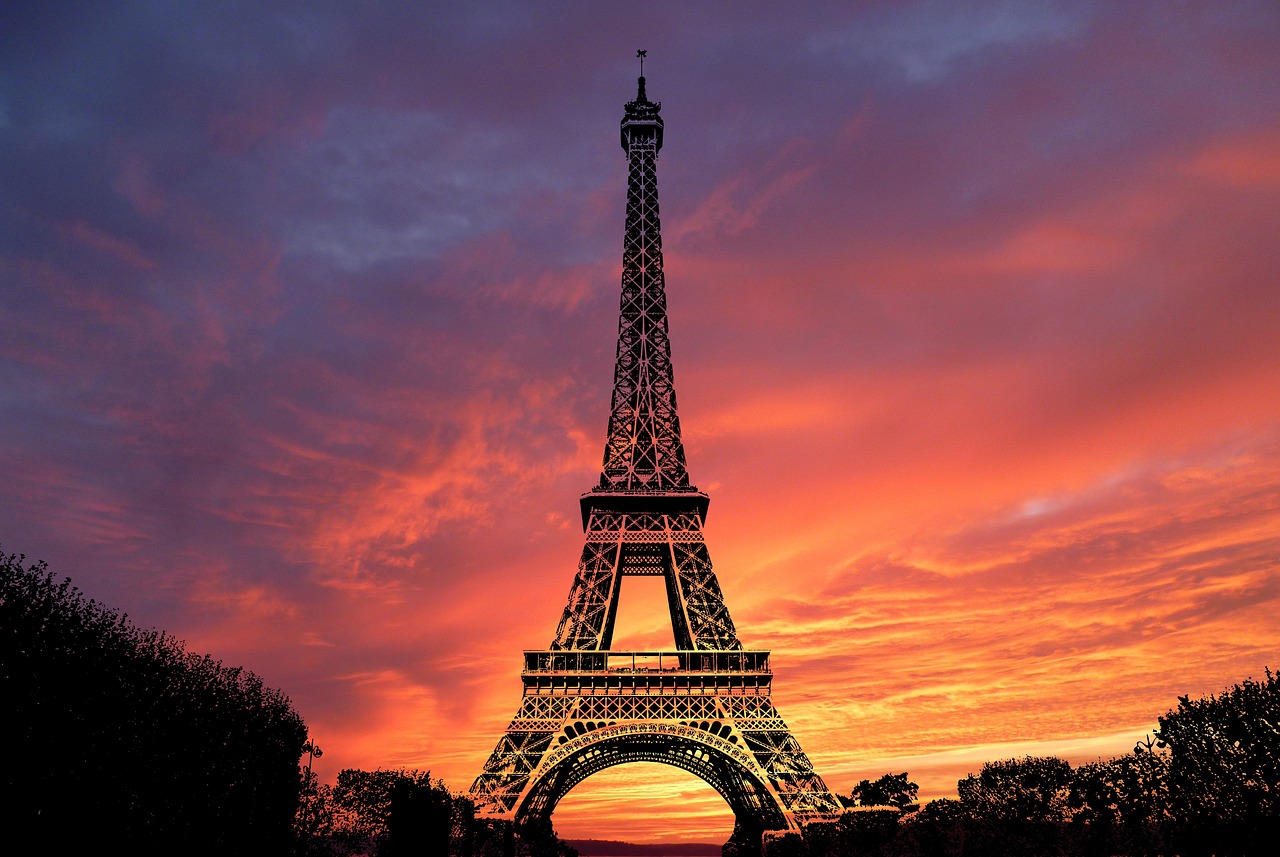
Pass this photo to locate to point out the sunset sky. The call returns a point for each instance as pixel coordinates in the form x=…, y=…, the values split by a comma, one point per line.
x=308, y=329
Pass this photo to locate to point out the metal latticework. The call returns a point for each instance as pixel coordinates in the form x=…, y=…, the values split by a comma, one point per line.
x=643, y=449
x=670, y=545
x=704, y=708
x=706, y=712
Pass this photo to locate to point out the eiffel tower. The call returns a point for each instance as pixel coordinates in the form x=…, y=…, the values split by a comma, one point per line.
x=704, y=707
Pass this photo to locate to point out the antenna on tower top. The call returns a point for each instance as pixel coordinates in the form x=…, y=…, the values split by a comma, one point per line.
x=640, y=96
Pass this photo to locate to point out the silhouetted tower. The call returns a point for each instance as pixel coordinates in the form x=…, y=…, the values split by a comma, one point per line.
x=705, y=707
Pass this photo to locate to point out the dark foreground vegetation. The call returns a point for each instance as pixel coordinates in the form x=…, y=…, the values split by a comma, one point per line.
x=407, y=812
x=116, y=735
x=1207, y=783
x=119, y=737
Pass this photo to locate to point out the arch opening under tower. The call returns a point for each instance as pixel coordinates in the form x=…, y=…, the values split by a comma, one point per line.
x=706, y=749
x=604, y=806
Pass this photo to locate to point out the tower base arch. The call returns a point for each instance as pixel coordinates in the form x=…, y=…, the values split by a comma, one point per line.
x=719, y=762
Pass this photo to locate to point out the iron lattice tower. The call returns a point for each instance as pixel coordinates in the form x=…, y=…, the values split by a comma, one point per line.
x=705, y=707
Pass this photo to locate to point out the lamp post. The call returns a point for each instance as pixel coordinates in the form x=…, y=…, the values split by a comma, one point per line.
x=310, y=811
x=313, y=752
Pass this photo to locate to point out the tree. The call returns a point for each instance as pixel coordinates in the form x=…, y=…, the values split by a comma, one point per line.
x=1129, y=789
x=394, y=812
x=539, y=839
x=362, y=803
x=420, y=820
x=938, y=828
x=1016, y=806
x=313, y=830
x=1123, y=803
x=1224, y=773
x=1030, y=789
x=117, y=733
x=889, y=790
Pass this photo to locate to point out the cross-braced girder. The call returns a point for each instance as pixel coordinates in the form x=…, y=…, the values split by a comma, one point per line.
x=732, y=739
x=647, y=543
x=643, y=449
x=705, y=707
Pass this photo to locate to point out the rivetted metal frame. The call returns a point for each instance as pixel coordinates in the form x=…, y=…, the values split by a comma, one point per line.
x=704, y=708
x=670, y=545
x=643, y=450
x=699, y=751
x=563, y=734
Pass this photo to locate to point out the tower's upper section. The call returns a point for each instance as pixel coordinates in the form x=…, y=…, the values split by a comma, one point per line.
x=643, y=454
x=641, y=124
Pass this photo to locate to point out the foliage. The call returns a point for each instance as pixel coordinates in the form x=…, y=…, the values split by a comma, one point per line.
x=744, y=841
x=1207, y=783
x=120, y=734
x=390, y=812
x=938, y=829
x=1224, y=774
x=889, y=790
x=395, y=812
x=314, y=831
x=538, y=839
x=868, y=831
x=778, y=843
x=941, y=811
x=313, y=819
x=1033, y=788
x=1127, y=790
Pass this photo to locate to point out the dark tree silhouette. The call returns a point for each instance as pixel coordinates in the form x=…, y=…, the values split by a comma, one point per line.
x=1033, y=788
x=539, y=839
x=1224, y=774
x=1122, y=804
x=1016, y=806
x=116, y=734
x=362, y=803
x=397, y=812
x=889, y=790
x=937, y=829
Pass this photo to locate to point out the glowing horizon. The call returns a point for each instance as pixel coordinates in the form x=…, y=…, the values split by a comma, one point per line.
x=309, y=338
